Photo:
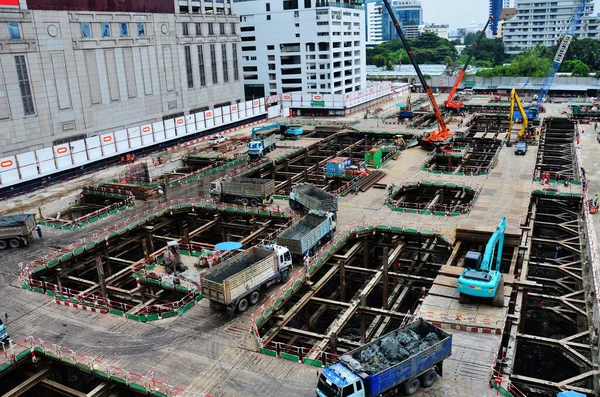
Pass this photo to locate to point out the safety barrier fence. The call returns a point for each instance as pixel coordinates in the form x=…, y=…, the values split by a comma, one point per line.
x=436, y=209
x=98, y=303
x=33, y=347
x=211, y=169
x=128, y=200
x=284, y=292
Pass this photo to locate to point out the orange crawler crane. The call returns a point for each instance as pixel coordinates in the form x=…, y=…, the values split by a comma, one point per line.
x=449, y=103
x=429, y=140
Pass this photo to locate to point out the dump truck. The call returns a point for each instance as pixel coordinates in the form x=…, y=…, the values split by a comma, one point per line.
x=306, y=235
x=309, y=197
x=400, y=361
x=236, y=283
x=16, y=230
x=261, y=144
x=253, y=191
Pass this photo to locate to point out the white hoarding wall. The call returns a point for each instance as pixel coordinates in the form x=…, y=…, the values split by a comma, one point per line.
x=47, y=161
x=339, y=101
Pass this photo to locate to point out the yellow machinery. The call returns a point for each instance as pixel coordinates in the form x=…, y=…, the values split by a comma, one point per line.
x=525, y=133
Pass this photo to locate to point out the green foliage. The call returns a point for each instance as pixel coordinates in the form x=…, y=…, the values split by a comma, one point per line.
x=489, y=50
x=471, y=38
x=427, y=48
x=528, y=64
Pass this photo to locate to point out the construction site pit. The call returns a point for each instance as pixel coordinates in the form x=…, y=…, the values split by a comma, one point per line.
x=352, y=298
x=433, y=198
x=122, y=273
x=477, y=157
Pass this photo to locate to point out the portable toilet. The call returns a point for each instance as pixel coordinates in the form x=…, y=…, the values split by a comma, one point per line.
x=373, y=158
x=337, y=166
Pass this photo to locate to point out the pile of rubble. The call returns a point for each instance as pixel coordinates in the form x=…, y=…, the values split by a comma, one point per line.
x=391, y=350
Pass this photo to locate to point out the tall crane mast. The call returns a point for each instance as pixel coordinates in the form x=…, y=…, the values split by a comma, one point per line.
x=449, y=103
x=561, y=52
x=442, y=133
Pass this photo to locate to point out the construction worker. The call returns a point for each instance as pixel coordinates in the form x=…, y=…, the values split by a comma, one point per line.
x=169, y=258
x=38, y=229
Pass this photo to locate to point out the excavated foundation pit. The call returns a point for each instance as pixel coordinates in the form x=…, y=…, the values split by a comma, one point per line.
x=107, y=277
x=476, y=157
x=438, y=198
x=556, y=154
x=308, y=164
x=350, y=299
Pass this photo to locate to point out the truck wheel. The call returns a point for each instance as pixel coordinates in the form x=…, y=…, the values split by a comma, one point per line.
x=254, y=297
x=429, y=378
x=245, y=202
x=217, y=199
x=3, y=244
x=14, y=243
x=243, y=305
x=285, y=275
x=412, y=386
x=293, y=205
x=254, y=202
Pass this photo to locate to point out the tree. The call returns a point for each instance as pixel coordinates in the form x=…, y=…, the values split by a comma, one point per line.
x=427, y=48
x=580, y=69
x=451, y=66
x=472, y=37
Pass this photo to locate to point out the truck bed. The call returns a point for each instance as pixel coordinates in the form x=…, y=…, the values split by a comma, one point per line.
x=17, y=225
x=233, y=278
x=314, y=198
x=398, y=372
x=302, y=235
x=249, y=187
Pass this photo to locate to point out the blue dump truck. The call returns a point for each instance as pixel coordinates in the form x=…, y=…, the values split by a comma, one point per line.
x=3, y=334
x=400, y=361
x=307, y=235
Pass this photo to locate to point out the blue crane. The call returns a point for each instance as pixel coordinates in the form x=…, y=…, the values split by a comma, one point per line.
x=533, y=111
x=479, y=279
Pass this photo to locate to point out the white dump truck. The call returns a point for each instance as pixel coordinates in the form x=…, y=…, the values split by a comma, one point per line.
x=237, y=283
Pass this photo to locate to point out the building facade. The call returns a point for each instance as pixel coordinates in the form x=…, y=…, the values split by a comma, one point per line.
x=373, y=23
x=508, y=3
x=440, y=30
x=495, y=10
x=410, y=15
x=73, y=71
x=310, y=46
x=537, y=22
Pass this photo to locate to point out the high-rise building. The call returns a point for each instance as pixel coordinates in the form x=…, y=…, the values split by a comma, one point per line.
x=495, y=10
x=410, y=15
x=537, y=22
x=310, y=46
x=373, y=21
x=508, y=3
x=439, y=30
x=75, y=69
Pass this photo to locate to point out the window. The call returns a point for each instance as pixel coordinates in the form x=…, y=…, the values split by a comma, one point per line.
x=249, y=48
x=24, y=85
x=271, y=66
x=358, y=385
x=248, y=38
x=105, y=29
x=268, y=17
x=307, y=4
x=236, y=72
x=124, y=29
x=247, y=29
x=297, y=34
x=141, y=29
x=290, y=5
x=233, y=28
x=188, y=66
x=297, y=24
x=224, y=61
x=201, y=66
x=270, y=47
x=271, y=57
x=86, y=32
x=347, y=391
x=185, y=28
x=221, y=28
x=13, y=31
x=211, y=29
x=213, y=64
x=296, y=14
x=198, y=29
x=268, y=7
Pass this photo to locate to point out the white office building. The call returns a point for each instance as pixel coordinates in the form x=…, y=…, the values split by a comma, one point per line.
x=508, y=3
x=440, y=30
x=373, y=31
x=538, y=22
x=310, y=46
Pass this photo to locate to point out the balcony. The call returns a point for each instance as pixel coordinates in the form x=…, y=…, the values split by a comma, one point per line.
x=353, y=5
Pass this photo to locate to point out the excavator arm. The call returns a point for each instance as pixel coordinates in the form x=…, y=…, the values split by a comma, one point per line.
x=497, y=239
x=442, y=132
x=514, y=99
x=449, y=103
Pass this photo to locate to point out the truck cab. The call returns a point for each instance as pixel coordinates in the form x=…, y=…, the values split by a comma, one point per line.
x=3, y=334
x=256, y=148
x=284, y=260
x=339, y=381
x=215, y=189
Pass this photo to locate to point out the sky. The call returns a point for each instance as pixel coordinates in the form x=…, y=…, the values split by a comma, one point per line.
x=458, y=13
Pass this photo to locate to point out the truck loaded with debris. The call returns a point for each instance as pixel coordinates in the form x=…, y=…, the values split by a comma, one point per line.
x=309, y=197
x=253, y=191
x=261, y=144
x=402, y=360
x=238, y=282
x=16, y=230
x=306, y=235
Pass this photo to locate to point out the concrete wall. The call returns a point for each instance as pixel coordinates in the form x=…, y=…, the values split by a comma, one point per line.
x=87, y=86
